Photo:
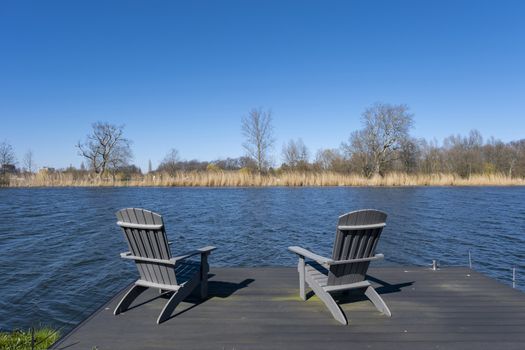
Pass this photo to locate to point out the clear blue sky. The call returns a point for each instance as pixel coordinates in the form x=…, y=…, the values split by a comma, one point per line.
x=182, y=74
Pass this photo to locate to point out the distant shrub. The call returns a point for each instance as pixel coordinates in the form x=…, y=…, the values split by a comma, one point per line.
x=4, y=180
x=212, y=167
x=245, y=171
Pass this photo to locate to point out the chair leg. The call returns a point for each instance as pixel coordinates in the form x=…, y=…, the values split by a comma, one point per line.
x=378, y=302
x=302, y=283
x=327, y=299
x=330, y=303
x=205, y=268
x=131, y=295
x=175, y=299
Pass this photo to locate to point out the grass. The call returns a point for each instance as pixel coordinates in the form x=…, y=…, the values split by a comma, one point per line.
x=21, y=340
x=295, y=297
x=286, y=179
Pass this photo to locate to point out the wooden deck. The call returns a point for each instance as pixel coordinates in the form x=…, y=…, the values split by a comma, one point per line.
x=259, y=308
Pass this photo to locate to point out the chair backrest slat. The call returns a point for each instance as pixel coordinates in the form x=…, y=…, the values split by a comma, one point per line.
x=356, y=237
x=159, y=246
x=146, y=237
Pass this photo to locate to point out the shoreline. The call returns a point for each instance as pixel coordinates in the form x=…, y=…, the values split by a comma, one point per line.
x=236, y=179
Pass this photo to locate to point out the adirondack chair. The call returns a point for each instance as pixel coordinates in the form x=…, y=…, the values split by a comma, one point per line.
x=354, y=248
x=146, y=237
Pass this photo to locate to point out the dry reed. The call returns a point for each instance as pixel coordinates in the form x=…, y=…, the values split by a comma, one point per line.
x=245, y=179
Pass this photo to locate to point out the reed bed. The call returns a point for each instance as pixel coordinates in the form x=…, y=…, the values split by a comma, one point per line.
x=246, y=179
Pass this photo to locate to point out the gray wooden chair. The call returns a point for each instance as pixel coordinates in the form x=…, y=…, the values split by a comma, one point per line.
x=354, y=248
x=149, y=248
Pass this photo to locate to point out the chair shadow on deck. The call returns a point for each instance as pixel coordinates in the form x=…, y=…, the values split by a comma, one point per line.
x=216, y=289
x=385, y=288
x=355, y=295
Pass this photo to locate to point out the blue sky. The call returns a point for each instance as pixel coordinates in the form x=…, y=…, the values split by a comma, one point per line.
x=182, y=74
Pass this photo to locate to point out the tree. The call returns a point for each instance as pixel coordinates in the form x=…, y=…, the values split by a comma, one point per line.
x=330, y=159
x=296, y=155
x=498, y=157
x=408, y=155
x=463, y=154
x=170, y=163
x=120, y=159
x=432, y=159
x=517, y=166
x=258, y=131
x=127, y=172
x=7, y=158
x=150, y=168
x=358, y=153
x=7, y=162
x=29, y=162
x=385, y=127
x=247, y=163
x=235, y=163
x=106, y=148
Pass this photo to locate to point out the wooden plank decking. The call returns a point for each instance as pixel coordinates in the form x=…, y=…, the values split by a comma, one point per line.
x=259, y=308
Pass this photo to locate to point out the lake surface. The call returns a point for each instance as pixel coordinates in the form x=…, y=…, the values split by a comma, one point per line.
x=59, y=248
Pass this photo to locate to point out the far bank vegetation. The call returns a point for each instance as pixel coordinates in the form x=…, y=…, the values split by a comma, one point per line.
x=381, y=153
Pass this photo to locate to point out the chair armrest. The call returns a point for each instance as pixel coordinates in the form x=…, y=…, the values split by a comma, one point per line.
x=308, y=254
x=204, y=250
x=171, y=262
x=342, y=262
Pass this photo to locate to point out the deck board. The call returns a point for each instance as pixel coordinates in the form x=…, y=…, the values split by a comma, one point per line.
x=259, y=308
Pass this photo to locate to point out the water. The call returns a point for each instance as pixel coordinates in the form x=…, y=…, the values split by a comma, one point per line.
x=59, y=248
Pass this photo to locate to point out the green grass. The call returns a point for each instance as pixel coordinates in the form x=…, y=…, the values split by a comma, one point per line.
x=21, y=340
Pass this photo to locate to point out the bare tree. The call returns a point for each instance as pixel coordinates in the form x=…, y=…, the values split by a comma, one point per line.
x=324, y=158
x=170, y=163
x=7, y=157
x=408, y=155
x=120, y=159
x=105, y=148
x=258, y=131
x=385, y=128
x=432, y=160
x=7, y=162
x=517, y=166
x=330, y=159
x=358, y=153
x=296, y=155
x=463, y=154
x=29, y=161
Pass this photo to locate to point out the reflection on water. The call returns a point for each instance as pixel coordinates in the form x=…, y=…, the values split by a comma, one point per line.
x=59, y=248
